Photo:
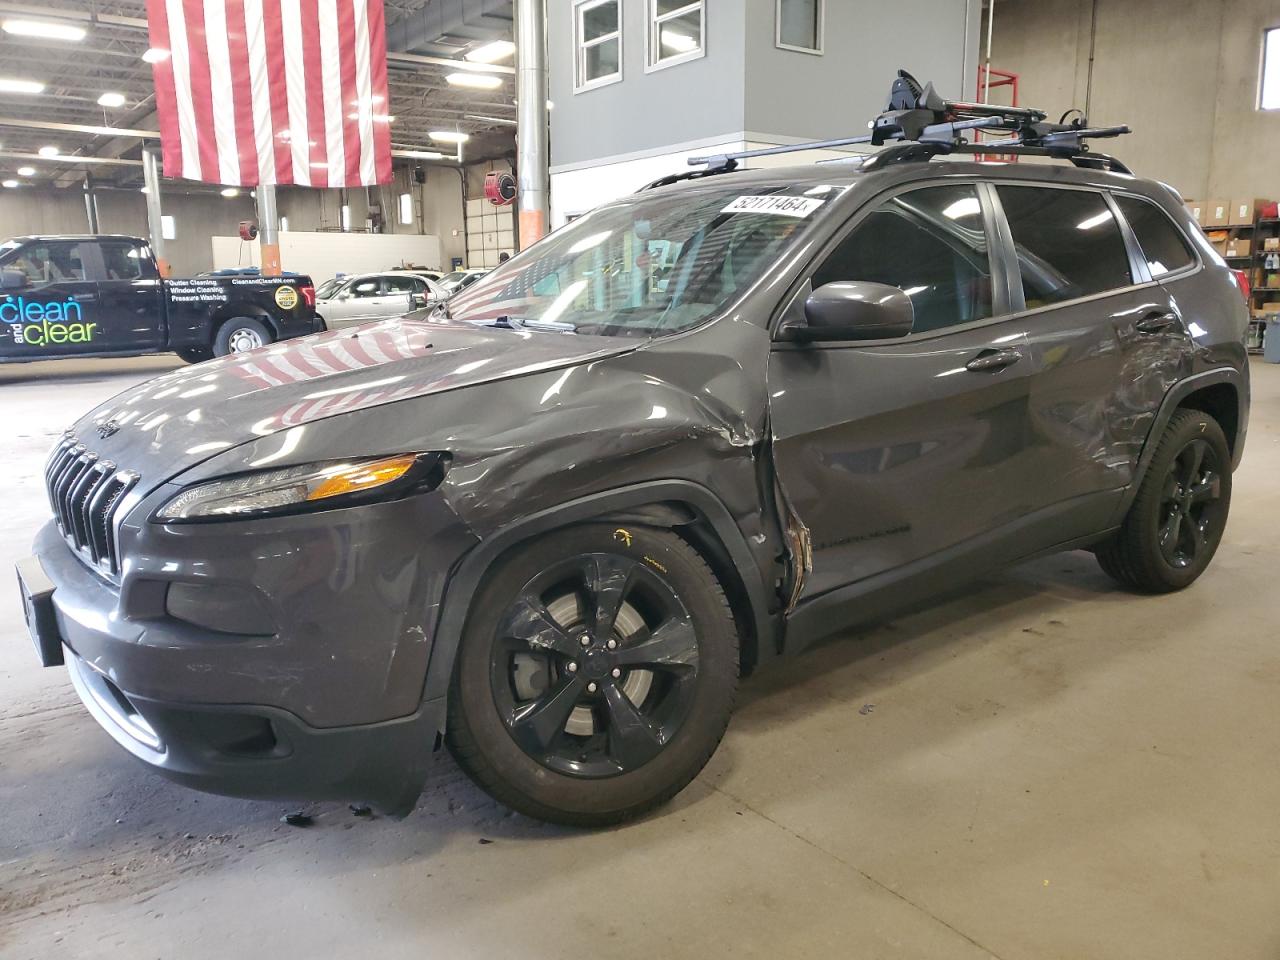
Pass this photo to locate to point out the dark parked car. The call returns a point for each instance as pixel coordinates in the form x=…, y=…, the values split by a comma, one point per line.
x=551, y=522
x=101, y=295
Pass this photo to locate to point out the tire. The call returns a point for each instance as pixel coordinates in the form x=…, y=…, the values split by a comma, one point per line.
x=239, y=335
x=593, y=735
x=194, y=354
x=1177, y=519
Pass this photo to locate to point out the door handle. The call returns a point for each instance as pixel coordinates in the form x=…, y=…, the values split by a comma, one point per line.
x=84, y=297
x=989, y=360
x=1156, y=322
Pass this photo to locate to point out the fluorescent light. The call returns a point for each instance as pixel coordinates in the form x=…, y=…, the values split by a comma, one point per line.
x=420, y=154
x=10, y=184
x=230, y=192
x=679, y=42
x=477, y=81
x=26, y=171
x=44, y=29
x=284, y=224
x=48, y=152
x=111, y=100
x=449, y=136
x=20, y=86
x=406, y=208
x=144, y=190
x=156, y=55
x=492, y=52
x=346, y=218
x=168, y=227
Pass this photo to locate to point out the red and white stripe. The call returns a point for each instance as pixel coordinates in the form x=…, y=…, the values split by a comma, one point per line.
x=273, y=91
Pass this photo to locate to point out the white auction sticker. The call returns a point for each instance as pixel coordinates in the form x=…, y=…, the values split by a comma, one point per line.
x=775, y=205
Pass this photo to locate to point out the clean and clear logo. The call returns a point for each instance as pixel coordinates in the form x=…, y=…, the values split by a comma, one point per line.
x=46, y=323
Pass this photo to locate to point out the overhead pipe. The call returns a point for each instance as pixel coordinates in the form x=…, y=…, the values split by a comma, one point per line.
x=155, y=223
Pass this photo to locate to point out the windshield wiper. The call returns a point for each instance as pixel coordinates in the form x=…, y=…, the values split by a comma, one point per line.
x=549, y=326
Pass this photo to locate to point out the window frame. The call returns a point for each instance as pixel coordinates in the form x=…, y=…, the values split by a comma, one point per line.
x=1267, y=34
x=821, y=30
x=1196, y=260
x=146, y=264
x=1002, y=306
x=653, y=35
x=580, y=83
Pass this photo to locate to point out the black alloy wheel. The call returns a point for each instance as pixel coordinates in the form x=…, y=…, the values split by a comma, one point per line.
x=595, y=676
x=1178, y=516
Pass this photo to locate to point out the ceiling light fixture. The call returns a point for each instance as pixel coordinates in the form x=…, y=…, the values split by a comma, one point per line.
x=449, y=136
x=156, y=55
x=44, y=30
x=26, y=171
x=476, y=81
x=111, y=100
x=492, y=52
x=20, y=86
x=48, y=152
x=10, y=184
x=230, y=192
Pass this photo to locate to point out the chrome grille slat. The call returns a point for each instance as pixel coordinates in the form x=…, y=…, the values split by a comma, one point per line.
x=85, y=494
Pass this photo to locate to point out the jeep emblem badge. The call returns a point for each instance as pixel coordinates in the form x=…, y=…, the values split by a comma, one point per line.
x=108, y=428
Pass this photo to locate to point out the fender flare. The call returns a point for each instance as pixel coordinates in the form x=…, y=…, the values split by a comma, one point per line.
x=467, y=576
x=1172, y=400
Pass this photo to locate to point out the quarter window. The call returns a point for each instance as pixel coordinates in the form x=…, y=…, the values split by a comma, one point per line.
x=127, y=261
x=930, y=243
x=1067, y=241
x=799, y=25
x=598, y=42
x=1163, y=245
x=676, y=30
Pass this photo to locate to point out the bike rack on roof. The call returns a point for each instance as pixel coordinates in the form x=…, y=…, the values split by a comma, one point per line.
x=930, y=126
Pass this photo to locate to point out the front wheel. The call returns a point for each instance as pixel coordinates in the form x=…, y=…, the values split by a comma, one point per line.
x=194, y=354
x=1177, y=519
x=240, y=335
x=596, y=674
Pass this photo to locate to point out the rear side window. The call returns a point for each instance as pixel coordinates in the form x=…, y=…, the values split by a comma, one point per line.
x=1163, y=245
x=931, y=244
x=44, y=262
x=127, y=261
x=1068, y=243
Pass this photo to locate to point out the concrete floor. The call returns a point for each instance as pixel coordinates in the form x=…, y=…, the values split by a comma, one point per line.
x=1046, y=767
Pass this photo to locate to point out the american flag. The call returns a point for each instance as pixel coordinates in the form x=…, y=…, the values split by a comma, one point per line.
x=272, y=91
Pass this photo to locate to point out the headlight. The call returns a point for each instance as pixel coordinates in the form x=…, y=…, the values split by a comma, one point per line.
x=313, y=486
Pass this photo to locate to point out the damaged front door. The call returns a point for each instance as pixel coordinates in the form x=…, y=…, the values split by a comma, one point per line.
x=889, y=451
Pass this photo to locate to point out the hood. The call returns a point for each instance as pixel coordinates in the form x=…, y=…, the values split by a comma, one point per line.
x=171, y=423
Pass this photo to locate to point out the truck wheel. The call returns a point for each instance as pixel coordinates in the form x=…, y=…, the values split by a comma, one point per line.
x=595, y=676
x=240, y=335
x=194, y=354
x=1177, y=519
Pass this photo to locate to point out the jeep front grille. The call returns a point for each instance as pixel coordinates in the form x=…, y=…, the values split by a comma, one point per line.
x=85, y=492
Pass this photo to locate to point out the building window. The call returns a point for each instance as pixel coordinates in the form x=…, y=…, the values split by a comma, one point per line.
x=799, y=25
x=677, y=31
x=598, y=42
x=1270, y=92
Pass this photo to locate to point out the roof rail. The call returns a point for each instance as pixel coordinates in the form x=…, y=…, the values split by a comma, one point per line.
x=930, y=126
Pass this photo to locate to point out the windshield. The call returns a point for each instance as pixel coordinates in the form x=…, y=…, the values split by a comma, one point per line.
x=7, y=247
x=453, y=277
x=649, y=265
x=329, y=288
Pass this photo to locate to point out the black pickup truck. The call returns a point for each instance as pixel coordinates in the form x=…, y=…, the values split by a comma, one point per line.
x=102, y=296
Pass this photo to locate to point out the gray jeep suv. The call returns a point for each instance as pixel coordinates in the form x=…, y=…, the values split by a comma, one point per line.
x=551, y=522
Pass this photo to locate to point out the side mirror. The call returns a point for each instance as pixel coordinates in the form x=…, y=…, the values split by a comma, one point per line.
x=13, y=280
x=855, y=310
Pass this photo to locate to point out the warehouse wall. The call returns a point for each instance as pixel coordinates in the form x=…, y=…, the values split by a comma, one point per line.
x=199, y=215
x=1182, y=73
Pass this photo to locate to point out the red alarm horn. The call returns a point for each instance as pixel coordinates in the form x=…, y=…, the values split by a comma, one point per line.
x=500, y=188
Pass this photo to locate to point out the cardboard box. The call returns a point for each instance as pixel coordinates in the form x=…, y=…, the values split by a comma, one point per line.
x=1238, y=247
x=1217, y=212
x=1271, y=243
x=1243, y=210
x=1196, y=209
x=1271, y=308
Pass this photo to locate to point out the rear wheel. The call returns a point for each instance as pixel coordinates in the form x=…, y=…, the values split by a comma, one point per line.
x=240, y=335
x=596, y=674
x=1177, y=519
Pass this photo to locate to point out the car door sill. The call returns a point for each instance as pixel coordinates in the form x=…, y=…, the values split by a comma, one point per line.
x=1050, y=530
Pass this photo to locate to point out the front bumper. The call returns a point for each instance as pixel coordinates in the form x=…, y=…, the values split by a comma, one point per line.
x=268, y=658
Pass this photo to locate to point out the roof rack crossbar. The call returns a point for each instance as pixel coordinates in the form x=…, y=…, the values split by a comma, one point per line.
x=926, y=125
